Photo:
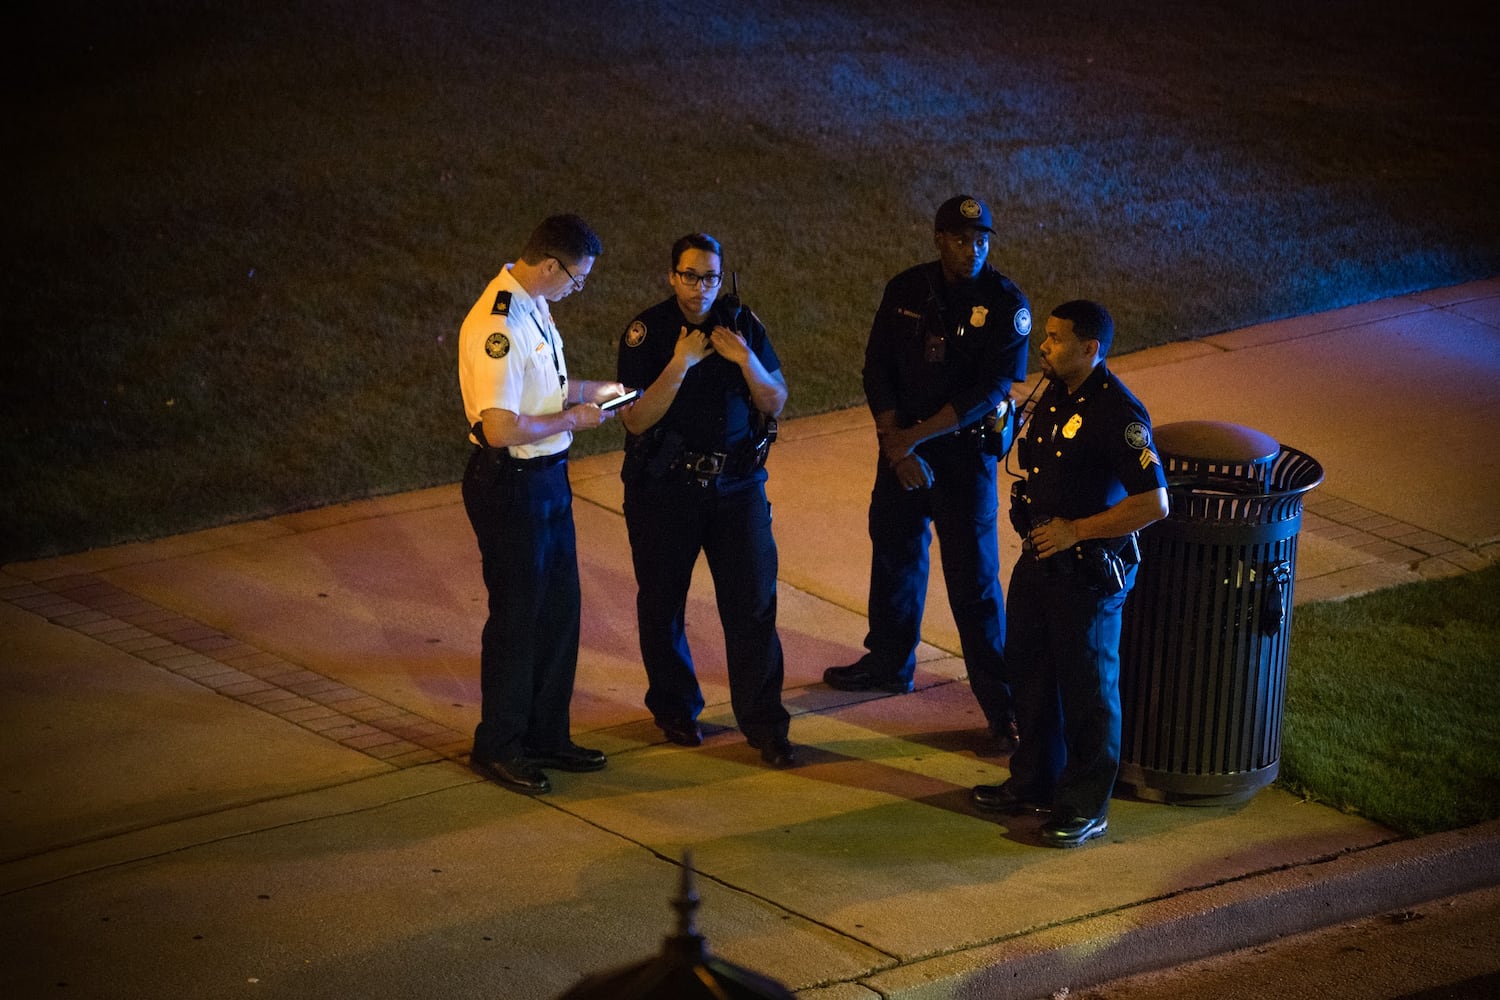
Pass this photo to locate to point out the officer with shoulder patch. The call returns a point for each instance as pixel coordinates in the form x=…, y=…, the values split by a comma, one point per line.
x=1092, y=481
x=523, y=411
x=694, y=475
x=948, y=341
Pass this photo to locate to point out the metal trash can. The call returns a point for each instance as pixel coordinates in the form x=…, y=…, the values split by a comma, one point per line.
x=1204, y=637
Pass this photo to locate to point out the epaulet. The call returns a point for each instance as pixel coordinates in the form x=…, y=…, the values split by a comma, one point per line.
x=502, y=303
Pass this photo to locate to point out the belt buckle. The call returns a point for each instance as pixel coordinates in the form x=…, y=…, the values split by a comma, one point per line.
x=705, y=467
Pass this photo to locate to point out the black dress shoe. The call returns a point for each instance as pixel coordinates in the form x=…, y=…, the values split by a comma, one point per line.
x=857, y=677
x=518, y=774
x=569, y=758
x=1072, y=832
x=684, y=734
x=778, y=753
x=1000, y=799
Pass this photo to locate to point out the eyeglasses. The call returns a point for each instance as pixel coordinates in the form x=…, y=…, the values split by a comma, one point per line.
x=691, y=278
x=577, y=282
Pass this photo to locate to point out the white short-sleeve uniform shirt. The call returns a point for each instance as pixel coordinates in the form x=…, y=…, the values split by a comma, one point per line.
x=510, y=357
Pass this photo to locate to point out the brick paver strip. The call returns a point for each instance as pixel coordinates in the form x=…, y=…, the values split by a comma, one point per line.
x=75, y=618
x=147, y=641
x=237, y=670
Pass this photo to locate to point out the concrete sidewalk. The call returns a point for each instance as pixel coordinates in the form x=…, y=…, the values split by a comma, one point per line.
x=233, y=759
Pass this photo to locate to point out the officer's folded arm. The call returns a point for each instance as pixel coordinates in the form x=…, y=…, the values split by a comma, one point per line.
x=643, y=414
x=1132, y=513
x=896, y=444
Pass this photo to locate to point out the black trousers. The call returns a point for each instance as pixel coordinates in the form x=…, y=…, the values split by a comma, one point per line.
x=963, y=507
x=1063, y=648
x=670, y=523
x=522, y=517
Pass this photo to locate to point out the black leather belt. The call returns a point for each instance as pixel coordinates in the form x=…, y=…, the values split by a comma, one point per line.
x=540, y=461
x=509, y=461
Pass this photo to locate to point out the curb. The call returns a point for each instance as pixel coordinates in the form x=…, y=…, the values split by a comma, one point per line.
x=1200, y=923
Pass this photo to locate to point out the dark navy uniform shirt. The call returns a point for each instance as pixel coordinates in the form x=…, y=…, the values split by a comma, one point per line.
x=1087, y=451
x=712, y=411
x=933, y=344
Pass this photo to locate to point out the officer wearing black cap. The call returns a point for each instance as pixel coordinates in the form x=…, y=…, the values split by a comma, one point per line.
x=1092, y=481
x=694, y=475
x=948, y=341
x=523, y=411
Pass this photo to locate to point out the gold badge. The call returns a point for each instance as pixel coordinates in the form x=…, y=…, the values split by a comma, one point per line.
x=978, y=316
x=1070, y=429
x=635, y=336
x=497, y=346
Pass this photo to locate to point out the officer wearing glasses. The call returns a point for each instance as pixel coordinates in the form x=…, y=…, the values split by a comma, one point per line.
x=947, y=342
x=694, y=475
x=523, y=411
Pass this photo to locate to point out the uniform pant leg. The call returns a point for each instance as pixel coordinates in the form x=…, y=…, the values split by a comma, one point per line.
x=514, y=518
x=965, y=512
x=665, y=528
x=1036, y=764
x=557, y=617
x=900, y=537
x=741, y=554
x=1088, y=664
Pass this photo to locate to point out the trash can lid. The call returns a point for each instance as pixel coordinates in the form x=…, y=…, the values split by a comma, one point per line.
x=1215, y=441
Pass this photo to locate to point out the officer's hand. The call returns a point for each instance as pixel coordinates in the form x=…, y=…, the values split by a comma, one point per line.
x=585, y=416
x=598, y=392
x=913, y=473
x=692, y=347
x=730, y=344
x=895, y=446
x=1057, y=535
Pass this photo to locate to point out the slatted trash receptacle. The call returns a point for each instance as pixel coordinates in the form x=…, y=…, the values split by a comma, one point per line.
x=1203, y=647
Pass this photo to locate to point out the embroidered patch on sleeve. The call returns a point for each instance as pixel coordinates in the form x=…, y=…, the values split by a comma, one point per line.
x=635, y=334
x=1023, y=321
x=498, y=345
x=1148, y=458
x=1138, y=435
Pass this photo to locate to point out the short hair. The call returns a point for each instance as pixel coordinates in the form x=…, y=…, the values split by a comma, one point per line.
x=566, y=237
x=695, y=241
x=1090, y=320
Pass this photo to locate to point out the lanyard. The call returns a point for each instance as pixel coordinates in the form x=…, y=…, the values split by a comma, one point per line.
x=562, y=380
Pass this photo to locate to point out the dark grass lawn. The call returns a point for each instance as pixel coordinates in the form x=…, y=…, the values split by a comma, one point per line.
x=242, y=235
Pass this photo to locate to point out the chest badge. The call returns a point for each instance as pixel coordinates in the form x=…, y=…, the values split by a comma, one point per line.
x=1070, y=429
x=978, y=316
x=497, y=346
x=635, y=334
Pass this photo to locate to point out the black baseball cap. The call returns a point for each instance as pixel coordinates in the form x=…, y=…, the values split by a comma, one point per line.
x=962, y=211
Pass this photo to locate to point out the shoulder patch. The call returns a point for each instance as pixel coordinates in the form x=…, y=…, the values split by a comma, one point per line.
x=1022, y=321
x=498, y=344
x=635, y=334
x=502, y=303
x=1138, y=435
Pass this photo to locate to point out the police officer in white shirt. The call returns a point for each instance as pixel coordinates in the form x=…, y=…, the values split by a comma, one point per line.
x=523, y=410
